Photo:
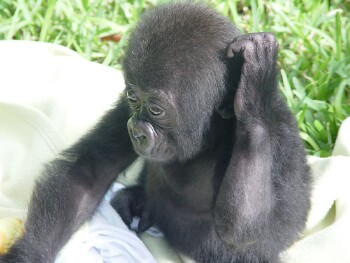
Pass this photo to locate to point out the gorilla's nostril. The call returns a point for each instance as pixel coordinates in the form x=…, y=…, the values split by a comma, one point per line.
x=140, y=137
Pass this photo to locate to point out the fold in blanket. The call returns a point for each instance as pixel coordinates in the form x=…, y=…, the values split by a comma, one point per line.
x=107, y=240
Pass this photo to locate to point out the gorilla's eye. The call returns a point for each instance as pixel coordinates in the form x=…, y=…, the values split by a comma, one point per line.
x=155, y=110
x=131, y=96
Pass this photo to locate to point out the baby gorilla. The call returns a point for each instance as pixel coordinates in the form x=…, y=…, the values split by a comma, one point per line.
x=225, y=175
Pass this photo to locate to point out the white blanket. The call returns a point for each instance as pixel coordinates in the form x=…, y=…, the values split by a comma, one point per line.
x=106, y=239
x=50, y=96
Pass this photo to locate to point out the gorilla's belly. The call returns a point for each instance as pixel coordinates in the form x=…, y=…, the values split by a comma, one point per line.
x=182, y=212
x=182, y=224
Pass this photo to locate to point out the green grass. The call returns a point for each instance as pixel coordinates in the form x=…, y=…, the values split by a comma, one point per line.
x=314, y=39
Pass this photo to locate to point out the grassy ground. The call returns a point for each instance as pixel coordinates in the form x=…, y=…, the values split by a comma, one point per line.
x=314, y=36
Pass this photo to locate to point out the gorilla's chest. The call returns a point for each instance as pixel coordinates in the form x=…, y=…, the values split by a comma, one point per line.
x=184, y=189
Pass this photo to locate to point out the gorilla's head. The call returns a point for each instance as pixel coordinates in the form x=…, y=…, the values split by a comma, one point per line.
x=176, y=79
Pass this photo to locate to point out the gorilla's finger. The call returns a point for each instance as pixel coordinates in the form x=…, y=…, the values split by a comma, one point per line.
x=245, y=47
x=146, y=221
x=121, y=203
x=238, y=103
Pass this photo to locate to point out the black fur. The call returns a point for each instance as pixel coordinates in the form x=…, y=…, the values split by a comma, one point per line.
x=225, y=178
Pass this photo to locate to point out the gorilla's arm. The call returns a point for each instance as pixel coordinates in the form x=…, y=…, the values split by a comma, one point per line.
x=254, y=201
x=72, y=186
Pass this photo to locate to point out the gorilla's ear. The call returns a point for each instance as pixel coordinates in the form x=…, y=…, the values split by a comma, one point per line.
x=226, y=110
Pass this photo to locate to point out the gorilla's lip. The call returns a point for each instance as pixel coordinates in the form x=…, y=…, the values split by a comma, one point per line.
x=147, y=154
x=140, y=152
x=141, y=149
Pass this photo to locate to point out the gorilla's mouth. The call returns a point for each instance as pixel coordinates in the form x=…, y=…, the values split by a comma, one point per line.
x=153, y=151
x=142, y=147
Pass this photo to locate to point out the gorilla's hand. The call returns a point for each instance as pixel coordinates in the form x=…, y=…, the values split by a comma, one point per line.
x=259, y=71
x=130, y=202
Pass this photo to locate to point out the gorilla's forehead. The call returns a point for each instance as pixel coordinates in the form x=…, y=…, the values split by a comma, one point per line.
x=151, y=79
x=166, y=64
x=154, y=93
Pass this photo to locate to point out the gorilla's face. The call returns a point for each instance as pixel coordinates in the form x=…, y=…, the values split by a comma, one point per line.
x=175, y=82
x=153, y=118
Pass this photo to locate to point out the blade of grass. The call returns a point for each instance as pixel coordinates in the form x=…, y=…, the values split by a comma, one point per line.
x=338, y=36
x=47, y=19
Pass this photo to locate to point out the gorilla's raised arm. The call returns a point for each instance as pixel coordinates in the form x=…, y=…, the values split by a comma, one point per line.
x=72, y=186
x=258, y=198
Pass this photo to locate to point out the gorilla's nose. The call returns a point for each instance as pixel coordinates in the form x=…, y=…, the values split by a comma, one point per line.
x=139, y=135
x=142, y=132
